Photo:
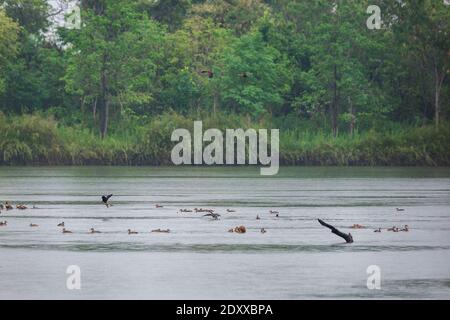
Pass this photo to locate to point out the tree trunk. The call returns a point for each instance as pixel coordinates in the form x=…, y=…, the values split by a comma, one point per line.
x=215, y=102
x=436, y=106
x=352, y=116
x=437, y=92
x=104, y=104
x=334, y=105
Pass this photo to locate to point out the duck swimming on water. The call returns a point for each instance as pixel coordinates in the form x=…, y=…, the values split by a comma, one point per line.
x=64, y=230
x=161, y=231
x=357, y=226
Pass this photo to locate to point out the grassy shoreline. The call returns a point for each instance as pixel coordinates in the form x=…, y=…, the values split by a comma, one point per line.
x=38, y=140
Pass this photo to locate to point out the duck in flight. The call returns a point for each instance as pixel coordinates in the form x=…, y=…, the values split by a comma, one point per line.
x=213, y=215
x=347, y=237
x=105, y=200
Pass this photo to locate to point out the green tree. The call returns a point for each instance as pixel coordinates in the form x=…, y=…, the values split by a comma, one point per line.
x=237, y=15
x=31, y=15
x=192, y=56
x=422, y=33
x=9, y=31
x=339, y=58
x=113, y=58
x=253, y=76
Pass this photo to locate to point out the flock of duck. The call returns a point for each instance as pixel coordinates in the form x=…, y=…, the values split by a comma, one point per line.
x=105, y=199
x=207, y=213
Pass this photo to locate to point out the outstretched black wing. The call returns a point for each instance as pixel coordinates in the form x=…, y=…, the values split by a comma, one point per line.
x=106, y=198
x=347, y=237
x=326, y=225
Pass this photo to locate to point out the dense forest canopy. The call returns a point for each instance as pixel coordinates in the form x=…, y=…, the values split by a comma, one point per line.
x=298, y=63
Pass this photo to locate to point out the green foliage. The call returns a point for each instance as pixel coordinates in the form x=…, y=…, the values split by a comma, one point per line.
x=8, y=44
x=339, y=92
x=254, y=76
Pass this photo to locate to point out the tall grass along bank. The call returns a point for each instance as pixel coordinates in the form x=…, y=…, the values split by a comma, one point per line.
x=38, y=140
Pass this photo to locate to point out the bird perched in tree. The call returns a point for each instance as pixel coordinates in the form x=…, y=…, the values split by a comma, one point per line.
x=105, y=199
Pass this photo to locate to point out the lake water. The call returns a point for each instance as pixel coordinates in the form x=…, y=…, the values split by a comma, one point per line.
x=296, y=259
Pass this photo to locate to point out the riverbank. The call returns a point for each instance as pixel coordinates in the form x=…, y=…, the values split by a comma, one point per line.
x=37, y=140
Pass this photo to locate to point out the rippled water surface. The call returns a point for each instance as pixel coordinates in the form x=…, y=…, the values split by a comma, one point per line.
x=296, y=259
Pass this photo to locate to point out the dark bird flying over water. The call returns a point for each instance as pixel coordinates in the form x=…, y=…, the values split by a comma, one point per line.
x=106, y=198
x=215, y=216
x=347, y=237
